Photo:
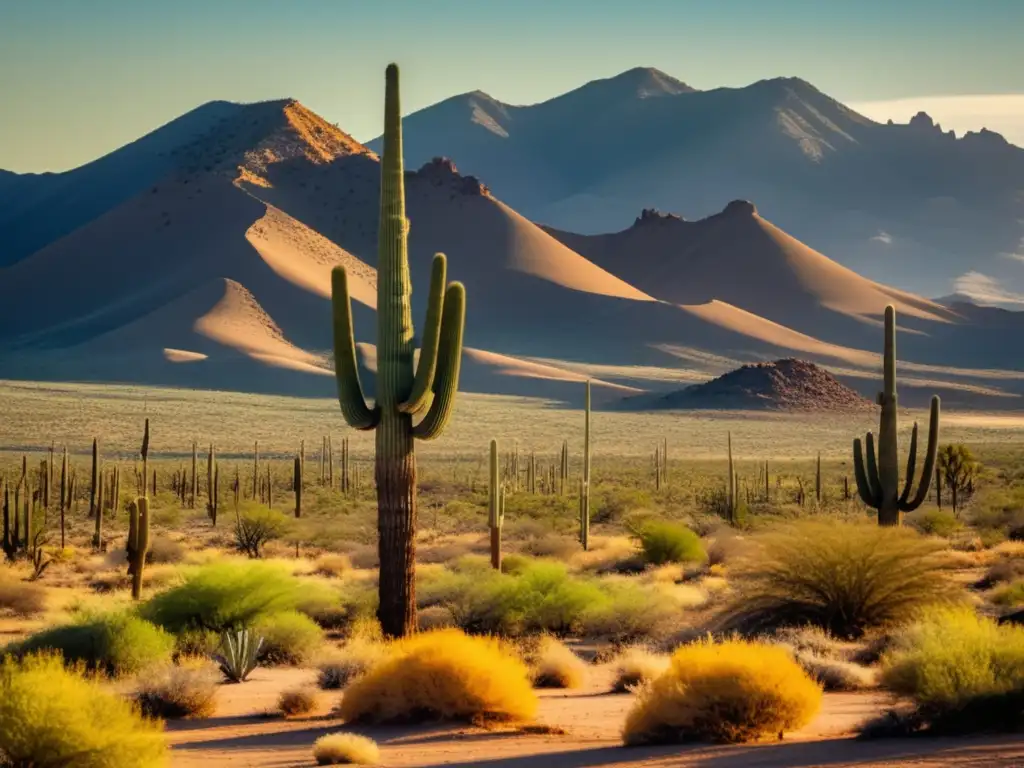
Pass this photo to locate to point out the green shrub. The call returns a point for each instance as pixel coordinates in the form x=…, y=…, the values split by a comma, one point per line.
x=225, y=596
x=257, y=525
x=53, y=717
x=289, y=637
x=934, y=522
x=964, y=672
x=1010, y=596
x=628, y=612
x=115, y=644
x=664, y=542
x=841, y=576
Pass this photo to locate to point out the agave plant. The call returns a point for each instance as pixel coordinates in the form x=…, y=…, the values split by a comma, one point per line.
x=239, y=654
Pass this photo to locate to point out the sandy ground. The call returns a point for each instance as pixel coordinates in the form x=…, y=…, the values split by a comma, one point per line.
x=243, y=734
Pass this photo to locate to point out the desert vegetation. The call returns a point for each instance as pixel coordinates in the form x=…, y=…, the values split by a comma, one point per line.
x=720, y=599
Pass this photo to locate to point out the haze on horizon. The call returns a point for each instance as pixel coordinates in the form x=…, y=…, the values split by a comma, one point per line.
x=88, y=78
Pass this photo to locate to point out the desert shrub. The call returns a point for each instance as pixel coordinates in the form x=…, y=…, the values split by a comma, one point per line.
x=554, y=665
x=934, y=522
x=333, y=565
x=342, y=665
x=807, y=639
x=843, y=577
x=435, y=617
x=54, y=717
x=256, y=526
x=345, y=749
x=224, y=596
x=297, y=701
x=196, y=642
x=835, y=674
x=964, y=672
x=188, y=689
x=444, y=674
x=113, y=643
x=21, y=598
x=1010, y=596
x=628, y=612
x=665, y=542
x=289, y=637
x=636, y=666
x=164, y=550
x=732, y=691
x=1005, y=570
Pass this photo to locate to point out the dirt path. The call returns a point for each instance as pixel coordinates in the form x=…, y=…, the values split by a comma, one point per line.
x=244, y=735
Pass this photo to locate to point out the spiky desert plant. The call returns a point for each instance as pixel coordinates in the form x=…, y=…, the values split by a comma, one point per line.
x=239, y=654
x=401, y=392
x=297, y=486
x=137, y=545
x=878, y=483
x=496, y=499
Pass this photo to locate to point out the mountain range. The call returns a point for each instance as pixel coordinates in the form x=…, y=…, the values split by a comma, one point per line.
x=910, y=205
x=200, y=255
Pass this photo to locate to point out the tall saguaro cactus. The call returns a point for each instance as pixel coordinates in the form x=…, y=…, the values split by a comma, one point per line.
x=878, y=482
x=585, y=482
x=137, y=544
x=401, y=392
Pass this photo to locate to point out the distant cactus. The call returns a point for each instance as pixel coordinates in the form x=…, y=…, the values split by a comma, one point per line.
x=195, y=476
x=211, y=485
x=65, y=497
x=585, y=482
x=563, y=476
x=137, y=544
x=401, y=391
x=297, y=486
x=878, y=482
x=255, y=470
x=97, y=535
x=144, y=452
x=95, y=476
x=496, y=500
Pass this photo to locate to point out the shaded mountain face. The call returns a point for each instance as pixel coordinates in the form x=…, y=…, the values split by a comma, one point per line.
x=217, y=274
x=910, y=205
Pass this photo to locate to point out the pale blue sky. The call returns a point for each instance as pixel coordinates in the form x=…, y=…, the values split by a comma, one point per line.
x=79, y=78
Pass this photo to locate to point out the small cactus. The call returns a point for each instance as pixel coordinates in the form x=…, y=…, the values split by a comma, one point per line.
x=496, y=499
x=137, y=545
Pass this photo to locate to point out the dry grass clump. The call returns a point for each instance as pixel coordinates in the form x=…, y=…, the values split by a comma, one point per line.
x=443, y=674
x=841, y=576
x=21, y=598
x=297, y=701
x=554, y=665
x=836, y=674
x=332, y=565
x=345, y=749
x=184, y=690
x=964, y=672
x=733, y=691
x=637, y=665
x=54, y=717
x=338, y=668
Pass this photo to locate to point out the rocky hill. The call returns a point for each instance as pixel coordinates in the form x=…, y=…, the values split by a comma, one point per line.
x=783, y=385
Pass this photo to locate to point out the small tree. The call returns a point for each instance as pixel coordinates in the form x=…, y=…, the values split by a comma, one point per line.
x=256, y=526
x=959, y=469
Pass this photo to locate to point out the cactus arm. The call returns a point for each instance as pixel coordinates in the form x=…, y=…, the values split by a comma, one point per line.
x=422, y=385
x=874, y=482
x=911, y=467
x=867, y=492
x=449, y=362
x=929, y=459
x=346, y=369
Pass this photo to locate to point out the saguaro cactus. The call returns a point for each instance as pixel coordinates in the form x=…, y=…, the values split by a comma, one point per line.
x=297, y=485
x=496, y=498
x=144, y=451
x=585, y=482
x=878, y=482
x=731, y=486
x=137, y=545
x=401, y=392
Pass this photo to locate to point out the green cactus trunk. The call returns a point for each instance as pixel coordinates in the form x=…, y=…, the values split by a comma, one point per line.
x=95, y=476
x=297, y=486
x=878, y=477
x=137, y=544
x=496, y=502
x=401, y=392
x=145, y=461
x=97, y=535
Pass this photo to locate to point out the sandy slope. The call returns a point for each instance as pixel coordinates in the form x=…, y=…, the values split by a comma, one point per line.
x=241, y=734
